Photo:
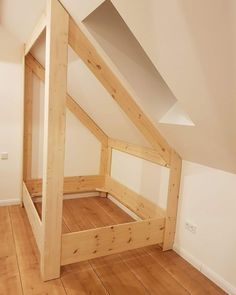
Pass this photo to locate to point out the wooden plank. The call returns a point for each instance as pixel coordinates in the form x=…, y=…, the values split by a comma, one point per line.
x=71, y=104
x=138, y=204
x=41, y=25
x=35, y=66
x=28, y=114
x=145, y=153
x=28, y=257
x=10, y=283
x=183, y=272
x=72, y=185
x=86, y=120
x=54, y=137
x=151, y=274
x=172, y=200
x=105, y=161
x=87, y=52
x=33, y=217
x=107, y=240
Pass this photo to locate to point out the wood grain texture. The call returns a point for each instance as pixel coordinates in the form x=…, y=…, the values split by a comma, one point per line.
x=87, y=52
x=145, y=153
x=72, y=184
x=54, y=137
x=33, y=217
x=28, y=257
x=141, y=206
x=10, y=282
x=146, y=271
x=107, y=240
x=172, y=200
x=28, y=113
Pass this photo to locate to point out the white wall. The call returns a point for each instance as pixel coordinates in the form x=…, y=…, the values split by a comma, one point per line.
x=11, y=122
x=208, y=200
x=143, y=177
x=82, y=149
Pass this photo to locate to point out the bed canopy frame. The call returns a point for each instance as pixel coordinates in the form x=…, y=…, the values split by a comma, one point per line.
x=156, y=226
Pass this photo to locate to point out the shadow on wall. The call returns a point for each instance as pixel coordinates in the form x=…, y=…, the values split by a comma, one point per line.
x=11, y=49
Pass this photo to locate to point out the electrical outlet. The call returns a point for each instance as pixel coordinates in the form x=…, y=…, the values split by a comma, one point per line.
x=4, y=156
x=190, y=227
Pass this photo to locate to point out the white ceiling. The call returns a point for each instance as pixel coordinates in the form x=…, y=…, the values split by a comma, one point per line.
x=192, y=45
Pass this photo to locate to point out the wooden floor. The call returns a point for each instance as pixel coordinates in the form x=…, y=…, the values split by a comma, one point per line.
x=144, y=271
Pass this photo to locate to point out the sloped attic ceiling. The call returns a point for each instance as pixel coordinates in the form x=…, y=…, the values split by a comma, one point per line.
x=192, y=45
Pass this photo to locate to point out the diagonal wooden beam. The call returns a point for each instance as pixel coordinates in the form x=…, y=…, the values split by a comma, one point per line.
x=87, y=52
x=41, y=25
x=71, y=104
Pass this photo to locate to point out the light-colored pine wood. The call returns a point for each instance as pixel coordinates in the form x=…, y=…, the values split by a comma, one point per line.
x=36, y=33
x=87, y=52
x=105, y=161
x=33, y=217
x=72, y=184
x=137, y=151
x=54, y=138
x=172, y=200
x=35, y=66
x=141, y=206
x=71, y=104
x=107, y=240
x=27, y=134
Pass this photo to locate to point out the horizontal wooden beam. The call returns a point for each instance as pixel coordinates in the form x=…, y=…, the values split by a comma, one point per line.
x=108, y=240
x=41, y=25
x=72, y=185
x=145, y=153
x=33, y=216
x=71, y=104
x=138, y=204
x=87, y=52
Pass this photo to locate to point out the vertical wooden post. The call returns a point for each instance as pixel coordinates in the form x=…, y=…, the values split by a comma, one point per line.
x=27, y=133
x=105, y=163
x=54, y=138
x=172, y=202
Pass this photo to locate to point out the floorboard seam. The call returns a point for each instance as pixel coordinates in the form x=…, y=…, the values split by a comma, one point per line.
x=173, y=277
x=14, y=242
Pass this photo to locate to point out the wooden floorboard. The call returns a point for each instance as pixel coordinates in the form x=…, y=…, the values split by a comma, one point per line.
x=142, y=271
x=10, y=282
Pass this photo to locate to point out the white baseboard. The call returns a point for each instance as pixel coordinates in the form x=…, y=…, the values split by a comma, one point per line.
x=10, y=202
x=208, y=272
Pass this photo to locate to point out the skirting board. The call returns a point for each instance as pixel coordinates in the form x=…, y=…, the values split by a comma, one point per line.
x=208, y=272
x=10, y=202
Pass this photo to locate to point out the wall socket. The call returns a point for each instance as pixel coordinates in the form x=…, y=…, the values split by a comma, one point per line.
x=190, y=227
x=4, y=156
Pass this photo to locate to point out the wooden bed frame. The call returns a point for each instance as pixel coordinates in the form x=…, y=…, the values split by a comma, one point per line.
x=156, y=226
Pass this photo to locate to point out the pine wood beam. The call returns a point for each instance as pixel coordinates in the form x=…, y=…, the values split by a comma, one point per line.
x=140, y=205
x=145, y=153
x=72, y=184
x=87, y=52
x=27, y=137
x=54, y=138
x=98, y=242
x=41, y=25
x=71, y=104
x=172, y=200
